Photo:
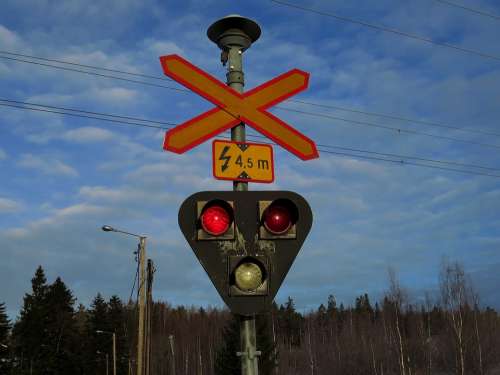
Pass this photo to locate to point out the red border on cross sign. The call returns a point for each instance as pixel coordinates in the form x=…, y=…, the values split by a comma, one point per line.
x=234, y=108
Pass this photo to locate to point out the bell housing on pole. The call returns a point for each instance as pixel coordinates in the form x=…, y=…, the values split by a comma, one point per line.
x=234, y=30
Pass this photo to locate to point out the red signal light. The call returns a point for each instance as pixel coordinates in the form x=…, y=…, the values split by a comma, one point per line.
x=277, y=219
x=216, y=219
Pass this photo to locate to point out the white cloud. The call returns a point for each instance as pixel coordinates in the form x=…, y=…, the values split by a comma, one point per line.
x=9, y=205
x=113, y=95
x=46, y=165
x=8, y=39
x=163, y=47
x=136, y=196
x=87, y=134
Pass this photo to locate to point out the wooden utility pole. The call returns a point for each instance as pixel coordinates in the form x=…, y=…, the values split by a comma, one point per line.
x=172, y=353
x=149, y=306
x=142, y=302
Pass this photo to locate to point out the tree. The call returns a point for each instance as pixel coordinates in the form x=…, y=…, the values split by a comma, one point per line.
x=226, y=361
x=29, y=332
x=97, y=345
x=117, y=323
x=457, y=298
x=265, y=343
x=4, y=340
x=61, y=330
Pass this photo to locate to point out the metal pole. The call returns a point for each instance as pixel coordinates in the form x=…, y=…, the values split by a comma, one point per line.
x=235, y=79
x=234, y=34
x=114, y=353
x=142, y=300
x=107, y=367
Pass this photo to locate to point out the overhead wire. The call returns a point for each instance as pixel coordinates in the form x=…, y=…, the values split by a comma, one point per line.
x=393, y=117
x=391, y=128
x=388, y=30
x=469, y=9
x=93, y=73
x=388, y=157
x=396, y=117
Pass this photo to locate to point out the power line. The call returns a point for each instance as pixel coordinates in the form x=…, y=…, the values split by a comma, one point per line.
x=388, y=157
x=88, y=66
x=386, y=127
x=80, y=115
x=104, y=116
x=394, y=117
x=472, y=10
x=404, y=162
x=398, y=130
x=389, y=30
x=397, y=117
x=93, y=73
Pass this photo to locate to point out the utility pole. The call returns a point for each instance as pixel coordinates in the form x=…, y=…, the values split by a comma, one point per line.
x=172, y=353
x=114, y=353
x=142, y=301
x=141, y=256
x=149, y=305
x=233, y=35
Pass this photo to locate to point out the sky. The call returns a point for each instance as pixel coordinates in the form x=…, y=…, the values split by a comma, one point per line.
x=63, y=177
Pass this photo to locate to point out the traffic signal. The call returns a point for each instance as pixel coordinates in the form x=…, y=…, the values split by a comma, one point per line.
x=246, y=241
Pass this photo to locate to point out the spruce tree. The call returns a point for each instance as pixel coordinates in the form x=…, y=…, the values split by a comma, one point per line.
x=61, y=330
x=97, y=345
x=29, y=333
x=265, y=343
x=226, y=360
x=117, y=323
x=4, y=340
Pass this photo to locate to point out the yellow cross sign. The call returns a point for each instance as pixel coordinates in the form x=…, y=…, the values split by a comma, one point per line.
x=242, y=161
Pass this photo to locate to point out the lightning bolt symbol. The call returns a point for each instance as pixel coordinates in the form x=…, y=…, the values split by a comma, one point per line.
x=225, y=158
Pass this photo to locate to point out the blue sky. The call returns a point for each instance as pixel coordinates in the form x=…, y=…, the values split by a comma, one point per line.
x=64, y=177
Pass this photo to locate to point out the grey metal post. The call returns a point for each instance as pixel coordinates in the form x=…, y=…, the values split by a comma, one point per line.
x=234, y=34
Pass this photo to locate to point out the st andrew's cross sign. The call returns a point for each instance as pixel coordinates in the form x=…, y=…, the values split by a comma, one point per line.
x=233, y=108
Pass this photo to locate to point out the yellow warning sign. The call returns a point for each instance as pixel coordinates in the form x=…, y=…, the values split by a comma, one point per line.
x=242, y=161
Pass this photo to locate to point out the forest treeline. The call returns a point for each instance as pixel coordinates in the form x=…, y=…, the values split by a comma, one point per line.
x=450, y=334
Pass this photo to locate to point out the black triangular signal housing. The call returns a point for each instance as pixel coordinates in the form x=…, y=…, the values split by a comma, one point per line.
x=246, y=240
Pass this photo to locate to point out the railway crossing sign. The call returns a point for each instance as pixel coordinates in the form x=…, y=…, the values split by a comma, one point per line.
x=233, y=108
x=242, y=161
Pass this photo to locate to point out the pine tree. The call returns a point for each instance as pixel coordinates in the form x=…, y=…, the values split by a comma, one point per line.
x=226, y=361
x=61, y=330
x=117, y=323
x=265, y=343
x=290, y=323
x=97, y=345
x=4, y=340
x=29, y=333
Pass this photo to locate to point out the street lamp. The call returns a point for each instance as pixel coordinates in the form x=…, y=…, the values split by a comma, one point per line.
x=142, y=293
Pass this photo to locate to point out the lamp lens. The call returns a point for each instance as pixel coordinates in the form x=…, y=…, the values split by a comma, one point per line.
x=215, y=220
x=277, y=219
x=248, y=276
